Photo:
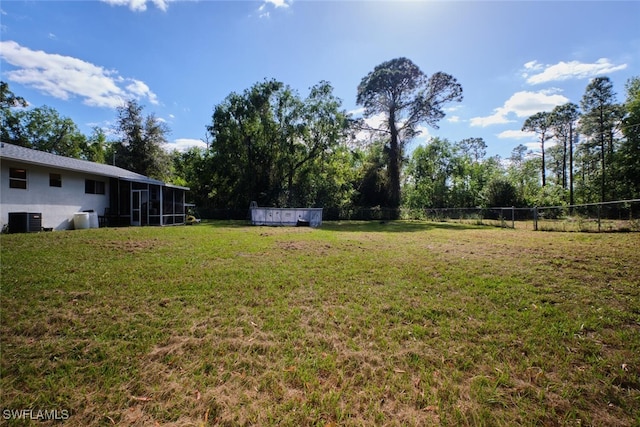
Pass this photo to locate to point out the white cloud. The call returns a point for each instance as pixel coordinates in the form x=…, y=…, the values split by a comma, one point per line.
x=533, y=147
x=532, y=143
x=184, y=144
x=497, y=118
x=454, y=119
x=533, y=65
x=279, y=3
x=140, y=5
x=515, y=134
x=356, y=112
x=525, y=103
x=522, y=104
x=140, y=90
x=66, y=77
x=537, y=73
x=424, y=135
x=376, y=121
x=263, y=12
x=106, y=126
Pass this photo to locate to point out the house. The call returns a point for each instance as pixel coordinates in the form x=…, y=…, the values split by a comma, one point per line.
x=58, y=187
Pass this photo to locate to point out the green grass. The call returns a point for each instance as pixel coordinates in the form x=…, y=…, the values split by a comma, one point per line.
x=403, y=323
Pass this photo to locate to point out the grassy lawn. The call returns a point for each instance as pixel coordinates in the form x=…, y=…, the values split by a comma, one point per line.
x=404, y=323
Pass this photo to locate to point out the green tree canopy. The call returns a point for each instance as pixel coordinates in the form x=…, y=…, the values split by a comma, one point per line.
x=407, y=98
x=563, y=123
x=430, y=169
x=630, y=148
x=140, y=147
x=523, y=172
x=500, y=192
x=271, y=146
x=40, y=128
x=446, y=175
x=540, y=123
x=96, y=147
x=601, y=115
x=372, y=180
x=10, y=119
x=46, y=130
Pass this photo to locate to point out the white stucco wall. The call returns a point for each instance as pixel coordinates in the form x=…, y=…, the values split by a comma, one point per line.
x=57, y=204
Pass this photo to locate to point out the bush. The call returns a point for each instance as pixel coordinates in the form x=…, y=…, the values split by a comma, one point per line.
x=501, y=192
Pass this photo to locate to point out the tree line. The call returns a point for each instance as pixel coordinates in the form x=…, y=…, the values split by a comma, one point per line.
x=136, y=142
x=595, y=155
x=271, y=145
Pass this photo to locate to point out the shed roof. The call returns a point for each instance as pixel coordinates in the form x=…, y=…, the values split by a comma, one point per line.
x=30, y=156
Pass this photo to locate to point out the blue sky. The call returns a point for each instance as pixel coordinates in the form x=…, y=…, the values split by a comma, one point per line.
x=181, y=58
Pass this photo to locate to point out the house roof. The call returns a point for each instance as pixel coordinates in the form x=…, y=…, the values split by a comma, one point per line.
x=28, y=155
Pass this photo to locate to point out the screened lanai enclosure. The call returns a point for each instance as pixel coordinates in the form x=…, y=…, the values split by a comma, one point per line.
x=140, y=203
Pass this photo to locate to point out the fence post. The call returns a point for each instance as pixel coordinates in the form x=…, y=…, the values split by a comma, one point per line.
x=535, y=218
x=599, y=216
x=513, y=217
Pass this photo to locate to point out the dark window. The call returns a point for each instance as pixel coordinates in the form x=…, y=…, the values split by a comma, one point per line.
x=55, y=180
x=18, y=178
x=93, y=187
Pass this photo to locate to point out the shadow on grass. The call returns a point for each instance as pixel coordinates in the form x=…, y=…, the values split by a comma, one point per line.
x=223, y=223
x=360, y=226
x=395, y=226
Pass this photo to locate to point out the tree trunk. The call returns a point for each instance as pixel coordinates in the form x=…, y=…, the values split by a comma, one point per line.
x=571, y=164
x=394, y=163
x=602, y=158
x=250, y=172
x=610, y=161
x=544, y=166
x=564, y=163
x=289, y=189
x=603, y=177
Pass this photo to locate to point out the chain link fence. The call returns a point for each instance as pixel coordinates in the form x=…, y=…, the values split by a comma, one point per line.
x=617, y=216
x=621, y=215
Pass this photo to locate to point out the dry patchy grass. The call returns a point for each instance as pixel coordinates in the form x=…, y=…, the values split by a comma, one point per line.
x=404, y=323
